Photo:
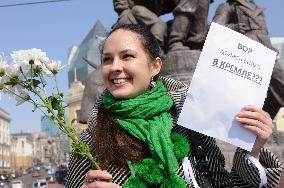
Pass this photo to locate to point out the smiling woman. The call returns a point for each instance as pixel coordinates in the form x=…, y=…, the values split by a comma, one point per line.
x=134, y=135
x=127, y=69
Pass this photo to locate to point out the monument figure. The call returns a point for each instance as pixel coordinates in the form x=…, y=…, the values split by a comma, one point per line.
x=245, y=17
x=189, y=26
x=94, y=86
x=142, y=12
x=190, y=20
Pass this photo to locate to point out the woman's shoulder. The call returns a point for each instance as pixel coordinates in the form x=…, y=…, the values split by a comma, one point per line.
x=178, y=91
x=173, y=85
x=94, y=113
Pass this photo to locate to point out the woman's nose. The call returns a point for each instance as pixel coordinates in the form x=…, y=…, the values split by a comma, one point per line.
x=116, y=65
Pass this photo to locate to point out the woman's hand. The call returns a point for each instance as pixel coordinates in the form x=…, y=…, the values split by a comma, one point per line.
x=259, y=122
x=98, y=179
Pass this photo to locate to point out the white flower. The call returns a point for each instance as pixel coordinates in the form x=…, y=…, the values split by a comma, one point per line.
x=32, y=56
x=12, y=76
x=13, y=70
x=26, y=58
x=3, y=65
x=54, y=66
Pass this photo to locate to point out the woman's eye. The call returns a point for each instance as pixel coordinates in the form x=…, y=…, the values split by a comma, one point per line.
x=106, y=60
x=128, y=56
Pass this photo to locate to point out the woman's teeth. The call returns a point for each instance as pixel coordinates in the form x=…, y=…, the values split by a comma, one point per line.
x=119, y=81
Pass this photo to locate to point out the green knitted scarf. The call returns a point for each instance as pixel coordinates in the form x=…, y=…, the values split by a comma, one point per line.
x=147, y=118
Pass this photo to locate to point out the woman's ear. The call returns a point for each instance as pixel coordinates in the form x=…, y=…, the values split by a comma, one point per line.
x=156, y=66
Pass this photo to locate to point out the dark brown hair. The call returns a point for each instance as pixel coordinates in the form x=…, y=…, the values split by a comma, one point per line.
x=149, y=42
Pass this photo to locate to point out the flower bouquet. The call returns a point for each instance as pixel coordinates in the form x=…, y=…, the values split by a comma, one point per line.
x=25, y=79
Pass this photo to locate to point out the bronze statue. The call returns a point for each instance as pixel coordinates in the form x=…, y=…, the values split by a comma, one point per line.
x=94, y=86
x=189, y=25
x=275, y=94
x=143, y=12
x=245, y=17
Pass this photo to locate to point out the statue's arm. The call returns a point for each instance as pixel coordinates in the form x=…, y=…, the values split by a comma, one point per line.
x=223, y=16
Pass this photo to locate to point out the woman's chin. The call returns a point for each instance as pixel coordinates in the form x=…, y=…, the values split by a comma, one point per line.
x=121, y=91
x=121, y=95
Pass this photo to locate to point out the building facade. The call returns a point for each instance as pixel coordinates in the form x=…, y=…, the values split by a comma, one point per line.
x=5, y=142
x=22, y=147
x=49, y=150
x=73, y=99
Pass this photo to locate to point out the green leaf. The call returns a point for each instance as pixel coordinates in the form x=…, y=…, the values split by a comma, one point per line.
x=2, y=72
x=34, y=82
x=56, y=104
x=13, y=81
x=2, y=86
x=37, y=71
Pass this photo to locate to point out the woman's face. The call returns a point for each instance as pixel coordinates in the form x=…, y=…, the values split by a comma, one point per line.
x=126, y=67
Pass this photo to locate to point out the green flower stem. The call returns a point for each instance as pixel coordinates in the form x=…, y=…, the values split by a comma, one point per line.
x=61, y=122
x=63, y=127
x=74, y=138
x=93, y=161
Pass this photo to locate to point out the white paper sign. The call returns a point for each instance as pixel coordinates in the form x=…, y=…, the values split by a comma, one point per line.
x=232, y=71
